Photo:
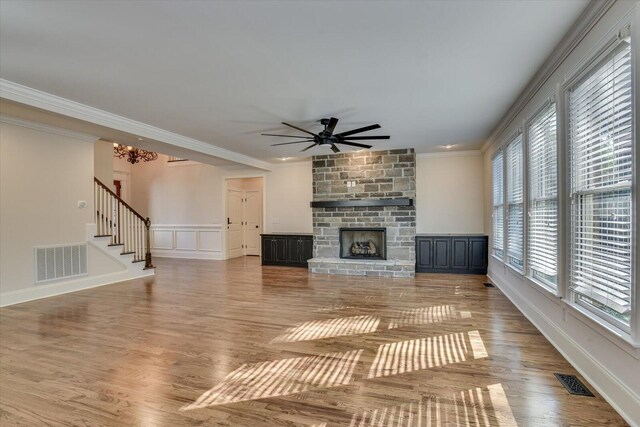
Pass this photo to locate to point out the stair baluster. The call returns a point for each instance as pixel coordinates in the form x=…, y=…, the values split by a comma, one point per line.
x=127, y=228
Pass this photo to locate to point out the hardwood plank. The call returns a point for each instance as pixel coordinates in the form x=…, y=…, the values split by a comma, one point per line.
x=235, y=344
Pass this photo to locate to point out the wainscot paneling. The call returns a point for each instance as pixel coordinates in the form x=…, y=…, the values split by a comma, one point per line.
x=198, y=241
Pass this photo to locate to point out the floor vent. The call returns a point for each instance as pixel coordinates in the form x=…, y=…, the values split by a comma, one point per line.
x=59, y=262
x=488, y=285
x=573, y=385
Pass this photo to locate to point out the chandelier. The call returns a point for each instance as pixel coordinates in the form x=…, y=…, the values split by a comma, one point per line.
x=133, y=154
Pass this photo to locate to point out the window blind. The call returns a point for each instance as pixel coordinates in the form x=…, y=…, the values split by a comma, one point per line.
x=498, y=204
x=601, y=158
x=515, y=203
x=542, y=233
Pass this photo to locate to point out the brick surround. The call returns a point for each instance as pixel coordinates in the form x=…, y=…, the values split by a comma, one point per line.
x=377, y=175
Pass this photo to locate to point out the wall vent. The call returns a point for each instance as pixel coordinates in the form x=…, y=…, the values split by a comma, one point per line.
x=60, y=262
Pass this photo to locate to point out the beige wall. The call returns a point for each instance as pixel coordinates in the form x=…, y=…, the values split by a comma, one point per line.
x=194, y=193
x=246, y=183
x=177, y=193
x=103, y=162
x=43, y=175
x=289, y=195
x=449, y=193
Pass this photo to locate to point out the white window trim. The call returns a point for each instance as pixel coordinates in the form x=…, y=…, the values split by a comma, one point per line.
x=551, y=99
x=505, y=145
x=499, y=151
x=609, y=43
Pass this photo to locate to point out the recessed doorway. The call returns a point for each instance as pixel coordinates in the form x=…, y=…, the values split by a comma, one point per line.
x=244, y=220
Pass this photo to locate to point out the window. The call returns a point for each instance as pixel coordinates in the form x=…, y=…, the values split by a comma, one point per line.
x=515, y=204
x=542, y=234
x=498, y=205
x=600, y=125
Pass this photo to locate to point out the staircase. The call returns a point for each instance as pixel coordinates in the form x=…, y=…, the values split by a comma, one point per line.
x=122, y=225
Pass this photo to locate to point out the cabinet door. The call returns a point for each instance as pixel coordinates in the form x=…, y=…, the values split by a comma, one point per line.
x=459, y=253
x=293, y=249
x=441, y=253
x=306, y=249
x=267, y=249
x=424, y=253
x=280, y=249
x=478, y=253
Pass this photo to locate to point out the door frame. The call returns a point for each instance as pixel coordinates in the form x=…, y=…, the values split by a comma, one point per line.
x=225, y=236
x=244, y=226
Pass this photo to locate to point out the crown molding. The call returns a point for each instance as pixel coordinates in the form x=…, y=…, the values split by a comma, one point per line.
x=468, y=153
x=36, y=98
x=585, y=22
x=48, y=129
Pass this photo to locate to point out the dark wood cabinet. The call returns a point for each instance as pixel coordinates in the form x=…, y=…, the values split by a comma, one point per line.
x=287, y=249
x=274, y=249
x=452, y=254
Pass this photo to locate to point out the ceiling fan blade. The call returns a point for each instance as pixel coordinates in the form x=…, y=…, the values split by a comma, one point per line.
x=356, y=138
x=293, y=142
x=311, y=146
x=300, y=129
x=332, y=125
x=355, y=144
x=285, y=136
x=334, y=148
x=364, y=129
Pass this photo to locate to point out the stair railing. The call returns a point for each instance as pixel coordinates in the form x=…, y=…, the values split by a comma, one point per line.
x=125, y=226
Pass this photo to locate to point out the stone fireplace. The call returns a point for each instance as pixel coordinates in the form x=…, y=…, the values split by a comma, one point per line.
x=363, y=243
x=365, y=194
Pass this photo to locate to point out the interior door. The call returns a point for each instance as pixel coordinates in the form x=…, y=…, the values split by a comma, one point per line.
x=234, y=223
x=252, y=221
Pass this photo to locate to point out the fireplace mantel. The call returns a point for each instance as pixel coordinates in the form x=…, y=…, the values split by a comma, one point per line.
x=361, y=203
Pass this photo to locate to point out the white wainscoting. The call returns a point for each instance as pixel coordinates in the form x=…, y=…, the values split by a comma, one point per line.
x=197, y=241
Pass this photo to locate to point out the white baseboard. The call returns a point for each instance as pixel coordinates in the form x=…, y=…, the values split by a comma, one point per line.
x=59, y=288
x=187, y=254
x=614, y=391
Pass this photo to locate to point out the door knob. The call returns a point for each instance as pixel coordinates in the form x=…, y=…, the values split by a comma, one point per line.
x=257, y=226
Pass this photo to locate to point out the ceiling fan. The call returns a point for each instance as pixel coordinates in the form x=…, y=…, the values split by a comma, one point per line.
x=327, y=137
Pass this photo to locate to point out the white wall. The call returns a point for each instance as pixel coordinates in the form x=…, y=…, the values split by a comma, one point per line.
x=608, y=360
x=44, y=172
x=450, y=193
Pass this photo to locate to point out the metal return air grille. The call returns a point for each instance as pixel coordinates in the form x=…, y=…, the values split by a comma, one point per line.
x=573, y=385
x=488, y=285
x=58, y=262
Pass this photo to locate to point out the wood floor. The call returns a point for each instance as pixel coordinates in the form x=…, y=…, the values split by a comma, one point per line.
x=232, y=343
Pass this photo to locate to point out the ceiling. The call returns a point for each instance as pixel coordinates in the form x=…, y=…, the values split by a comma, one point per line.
x=432, y=73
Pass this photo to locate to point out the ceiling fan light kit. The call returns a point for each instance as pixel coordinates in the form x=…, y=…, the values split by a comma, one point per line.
x=327, y=137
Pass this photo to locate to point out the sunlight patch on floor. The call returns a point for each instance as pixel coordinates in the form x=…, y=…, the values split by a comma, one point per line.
x=481, y=407
x=426, y=315
x=280, y=378
x=423, y=353
x=339, y=327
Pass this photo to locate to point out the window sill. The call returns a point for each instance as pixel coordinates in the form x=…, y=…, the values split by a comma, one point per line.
x=620, y=338
x=514, y=270
x=544, y=288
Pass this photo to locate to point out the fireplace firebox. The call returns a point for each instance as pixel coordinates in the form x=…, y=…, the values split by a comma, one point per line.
x=363, y=243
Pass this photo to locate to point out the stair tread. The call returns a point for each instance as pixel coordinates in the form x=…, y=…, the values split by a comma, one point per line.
x=103, y=235
x=138, y=260
x=127, y=253
x=116, y=244
x=149, y=268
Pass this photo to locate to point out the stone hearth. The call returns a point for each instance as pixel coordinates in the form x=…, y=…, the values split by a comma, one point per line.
x=375, y=175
